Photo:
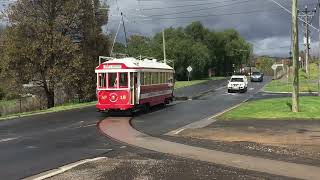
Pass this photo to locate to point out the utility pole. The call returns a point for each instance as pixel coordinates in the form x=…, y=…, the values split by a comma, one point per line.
x=164, y=46
x=319, y=52
x=306, y=14
x=295, y=58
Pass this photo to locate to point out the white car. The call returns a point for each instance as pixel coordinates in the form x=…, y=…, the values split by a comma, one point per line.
x=238, y=84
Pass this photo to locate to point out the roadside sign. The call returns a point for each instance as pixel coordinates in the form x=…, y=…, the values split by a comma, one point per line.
x=189, y=69
x=275, y=66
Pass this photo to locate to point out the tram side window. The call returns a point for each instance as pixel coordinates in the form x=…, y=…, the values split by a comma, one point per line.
x=170, y=78
x=147, y=78
x=141, y=78
x=123, y=80
x=102, y=80
x=163, y=78
x=166, y=77
x=112, y=80
x=154, y=78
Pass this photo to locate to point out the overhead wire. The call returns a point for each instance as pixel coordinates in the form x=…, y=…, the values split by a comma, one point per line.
x=206, y=8
x=288, y=11
x=187, y=5
x=209, y=15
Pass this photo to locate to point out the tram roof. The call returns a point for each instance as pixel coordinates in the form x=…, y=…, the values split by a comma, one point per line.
x=136, y=63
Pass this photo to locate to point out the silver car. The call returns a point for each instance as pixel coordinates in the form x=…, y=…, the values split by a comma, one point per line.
x=257, y=77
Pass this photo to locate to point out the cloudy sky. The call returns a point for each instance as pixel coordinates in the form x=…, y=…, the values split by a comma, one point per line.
x=261, y=22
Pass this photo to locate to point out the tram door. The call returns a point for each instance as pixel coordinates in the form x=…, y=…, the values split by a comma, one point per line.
x=133, y=87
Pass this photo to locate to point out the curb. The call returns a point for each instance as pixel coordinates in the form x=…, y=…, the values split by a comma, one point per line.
x=60, y=170
x=270, y=92
x=114, y=129
x=204, y=122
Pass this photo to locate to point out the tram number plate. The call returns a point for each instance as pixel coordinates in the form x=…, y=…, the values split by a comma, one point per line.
x=123, y=97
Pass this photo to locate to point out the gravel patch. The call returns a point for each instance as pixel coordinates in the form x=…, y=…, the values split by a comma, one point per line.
x=147, y=165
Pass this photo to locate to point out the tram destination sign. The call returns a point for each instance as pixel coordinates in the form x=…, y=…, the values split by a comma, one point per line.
x=112, y=66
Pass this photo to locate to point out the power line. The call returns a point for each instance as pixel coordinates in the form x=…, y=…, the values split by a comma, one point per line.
x=208, y=15
x=288, y=11
x=193, y=10
x=188, y=5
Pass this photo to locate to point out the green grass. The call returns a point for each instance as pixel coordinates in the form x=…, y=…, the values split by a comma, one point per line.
x=181, y=84
x=64, y=107
x=275, y=109
x=306, y=84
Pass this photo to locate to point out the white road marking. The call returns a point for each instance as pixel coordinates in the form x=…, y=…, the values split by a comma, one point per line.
x=32, y=147
x=220, y=88
x=104, y=150
x=179, y=131
x=89, y=125
x=251, y=89
x=8, y=139
x=204, y=122
x=62, y=169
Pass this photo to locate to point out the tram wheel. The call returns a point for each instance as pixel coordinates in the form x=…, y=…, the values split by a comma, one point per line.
x=146, y=108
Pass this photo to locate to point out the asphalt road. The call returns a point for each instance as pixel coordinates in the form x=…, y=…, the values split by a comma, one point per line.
x=180, y=114
x=34, y=144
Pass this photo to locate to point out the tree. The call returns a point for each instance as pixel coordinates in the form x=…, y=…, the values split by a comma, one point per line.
x=196, y=31
x=264, y=64
x=195, y=46
x=92, y=43
x=139, y=45
x=51, y=42
x=119, y=48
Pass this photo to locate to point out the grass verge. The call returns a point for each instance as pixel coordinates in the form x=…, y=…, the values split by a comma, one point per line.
x=275, y=109
x=181, y=84
x=64, y=107
x=306, y=84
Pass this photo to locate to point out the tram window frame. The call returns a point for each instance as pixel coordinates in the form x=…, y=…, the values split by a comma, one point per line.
x=102, y=82
x=115, y=82
x=126, y=83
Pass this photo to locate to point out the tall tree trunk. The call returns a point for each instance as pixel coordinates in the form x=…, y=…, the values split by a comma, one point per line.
x=49, y=91
x=50, y=99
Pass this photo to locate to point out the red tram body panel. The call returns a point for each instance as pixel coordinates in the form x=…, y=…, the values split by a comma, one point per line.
x=124, y=84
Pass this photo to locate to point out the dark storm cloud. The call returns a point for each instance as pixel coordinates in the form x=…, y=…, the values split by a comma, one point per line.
x=262, y=22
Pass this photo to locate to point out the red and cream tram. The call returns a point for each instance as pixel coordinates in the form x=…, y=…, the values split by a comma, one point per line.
x=129, y=83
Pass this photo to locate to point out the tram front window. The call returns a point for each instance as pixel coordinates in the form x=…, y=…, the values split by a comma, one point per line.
x=112, y=79
x=102, y=80
x=123, y=80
